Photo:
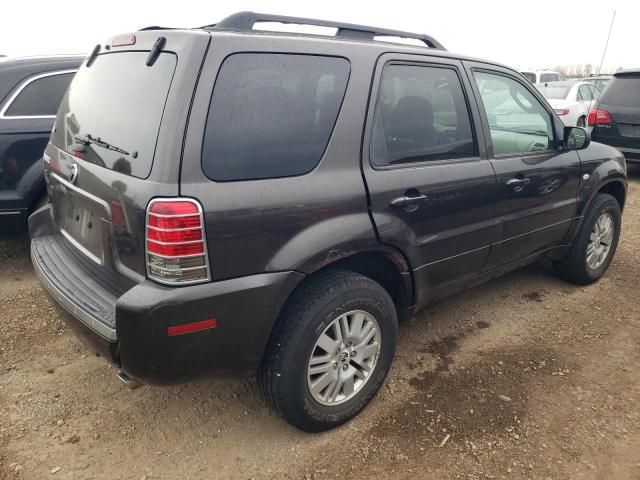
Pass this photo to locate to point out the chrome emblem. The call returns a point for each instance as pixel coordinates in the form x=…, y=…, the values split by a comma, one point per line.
x=73, y=173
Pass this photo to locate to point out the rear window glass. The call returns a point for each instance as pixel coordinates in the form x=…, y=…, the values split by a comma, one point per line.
x=622, y=91
x=40, y=97
x=271, y=115
x=556, y=92
x=530, y=76
x=118, y=101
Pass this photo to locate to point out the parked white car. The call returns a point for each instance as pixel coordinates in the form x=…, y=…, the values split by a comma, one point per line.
x=543, y=76
x=571, y=100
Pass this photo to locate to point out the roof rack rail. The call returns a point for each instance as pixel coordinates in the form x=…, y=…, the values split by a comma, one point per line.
x=247, y=20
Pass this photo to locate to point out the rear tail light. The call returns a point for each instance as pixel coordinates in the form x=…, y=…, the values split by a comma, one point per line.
x=598, y=116
x=562, y=111
x=176, y=243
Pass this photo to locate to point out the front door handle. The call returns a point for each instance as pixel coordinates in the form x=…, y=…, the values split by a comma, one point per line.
x=406, y=201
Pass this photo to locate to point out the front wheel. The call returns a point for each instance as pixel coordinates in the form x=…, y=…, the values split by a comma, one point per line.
x=331, y=350
x=595, y=244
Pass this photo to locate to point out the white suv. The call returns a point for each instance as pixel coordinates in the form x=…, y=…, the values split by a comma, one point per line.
x=543, y=76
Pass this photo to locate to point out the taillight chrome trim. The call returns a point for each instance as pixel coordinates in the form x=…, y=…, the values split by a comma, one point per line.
x=205, y=253
x=188, y=255
x=179, y=215
x=186, y=242
x=160, y=229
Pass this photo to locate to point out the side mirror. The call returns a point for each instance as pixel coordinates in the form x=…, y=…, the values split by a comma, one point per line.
x=576, y=138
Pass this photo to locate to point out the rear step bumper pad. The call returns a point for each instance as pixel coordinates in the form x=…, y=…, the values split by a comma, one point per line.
x=95, y=309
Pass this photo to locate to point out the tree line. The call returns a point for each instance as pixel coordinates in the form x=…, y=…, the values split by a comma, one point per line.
x=583, y=70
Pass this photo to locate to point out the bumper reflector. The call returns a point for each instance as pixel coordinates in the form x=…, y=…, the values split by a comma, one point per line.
x=192, y=327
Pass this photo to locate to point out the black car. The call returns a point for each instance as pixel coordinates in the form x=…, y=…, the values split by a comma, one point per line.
x=616, y=120
x=231, y=200
x=30, y=93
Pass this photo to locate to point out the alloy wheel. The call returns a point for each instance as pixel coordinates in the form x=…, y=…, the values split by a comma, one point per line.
x=600, y=241
x=343, y=358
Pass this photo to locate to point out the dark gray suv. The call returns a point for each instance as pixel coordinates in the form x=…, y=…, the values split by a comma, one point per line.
x=227, y=200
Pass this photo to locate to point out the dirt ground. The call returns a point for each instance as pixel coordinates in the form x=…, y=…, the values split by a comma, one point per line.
x=525, y=377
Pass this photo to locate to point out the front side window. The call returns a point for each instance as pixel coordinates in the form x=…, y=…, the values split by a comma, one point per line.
x=421, y=115
x=517, y=120
x=271, y=115
x=40, y=97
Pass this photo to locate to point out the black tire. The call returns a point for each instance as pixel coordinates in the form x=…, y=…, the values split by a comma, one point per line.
x=582, y=122
x=573, y=268
x=312, y=308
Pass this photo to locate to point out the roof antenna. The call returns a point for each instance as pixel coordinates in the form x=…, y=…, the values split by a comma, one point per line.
x=606, y=44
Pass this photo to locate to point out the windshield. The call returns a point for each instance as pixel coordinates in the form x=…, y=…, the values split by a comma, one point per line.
x=112, y=111
x=553, y=92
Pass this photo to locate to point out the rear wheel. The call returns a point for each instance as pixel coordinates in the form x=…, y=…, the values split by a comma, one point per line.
x=582, y=122
x=595, y=244
x=331, y=350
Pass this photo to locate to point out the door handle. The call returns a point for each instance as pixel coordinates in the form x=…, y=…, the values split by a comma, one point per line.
x=518, y=183
x=405, y=201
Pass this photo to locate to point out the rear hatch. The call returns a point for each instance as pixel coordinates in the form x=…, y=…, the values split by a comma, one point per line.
x=621, y=99
x=117, y=143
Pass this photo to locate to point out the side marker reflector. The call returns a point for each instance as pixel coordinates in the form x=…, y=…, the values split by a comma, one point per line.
x=192, y=327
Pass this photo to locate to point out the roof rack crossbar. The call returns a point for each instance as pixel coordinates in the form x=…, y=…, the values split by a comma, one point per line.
x=247, y=20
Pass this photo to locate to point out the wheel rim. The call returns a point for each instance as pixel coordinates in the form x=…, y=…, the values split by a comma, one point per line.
x=600, y=241
x=581, y=122
x=343, y=358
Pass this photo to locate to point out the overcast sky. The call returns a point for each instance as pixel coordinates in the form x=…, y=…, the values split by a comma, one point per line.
x=522, y=34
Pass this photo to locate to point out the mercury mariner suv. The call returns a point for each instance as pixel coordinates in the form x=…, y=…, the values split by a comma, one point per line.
x=230, y=200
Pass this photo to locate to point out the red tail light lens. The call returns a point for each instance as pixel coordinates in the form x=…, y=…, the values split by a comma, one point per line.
x=598, y=116
x=173, y=236
x=176, y=243
x=562, y=111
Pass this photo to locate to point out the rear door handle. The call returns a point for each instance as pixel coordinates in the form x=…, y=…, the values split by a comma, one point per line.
x=405, y=201
x=518, y=183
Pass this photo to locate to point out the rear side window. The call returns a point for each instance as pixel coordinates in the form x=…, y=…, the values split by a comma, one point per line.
x=40, y=97
x=585, y=93
x=622, y=91
x=271, y=115
x=529, y=76
x=117, y=101
x=421, y=115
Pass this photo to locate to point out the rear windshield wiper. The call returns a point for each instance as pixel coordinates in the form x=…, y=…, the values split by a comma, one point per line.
x=88, y=139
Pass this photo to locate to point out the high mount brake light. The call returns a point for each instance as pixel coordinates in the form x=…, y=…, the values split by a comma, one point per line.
x=176, y=252
x=123, y=40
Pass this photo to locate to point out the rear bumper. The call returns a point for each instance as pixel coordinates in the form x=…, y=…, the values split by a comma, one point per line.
x=130, y=328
